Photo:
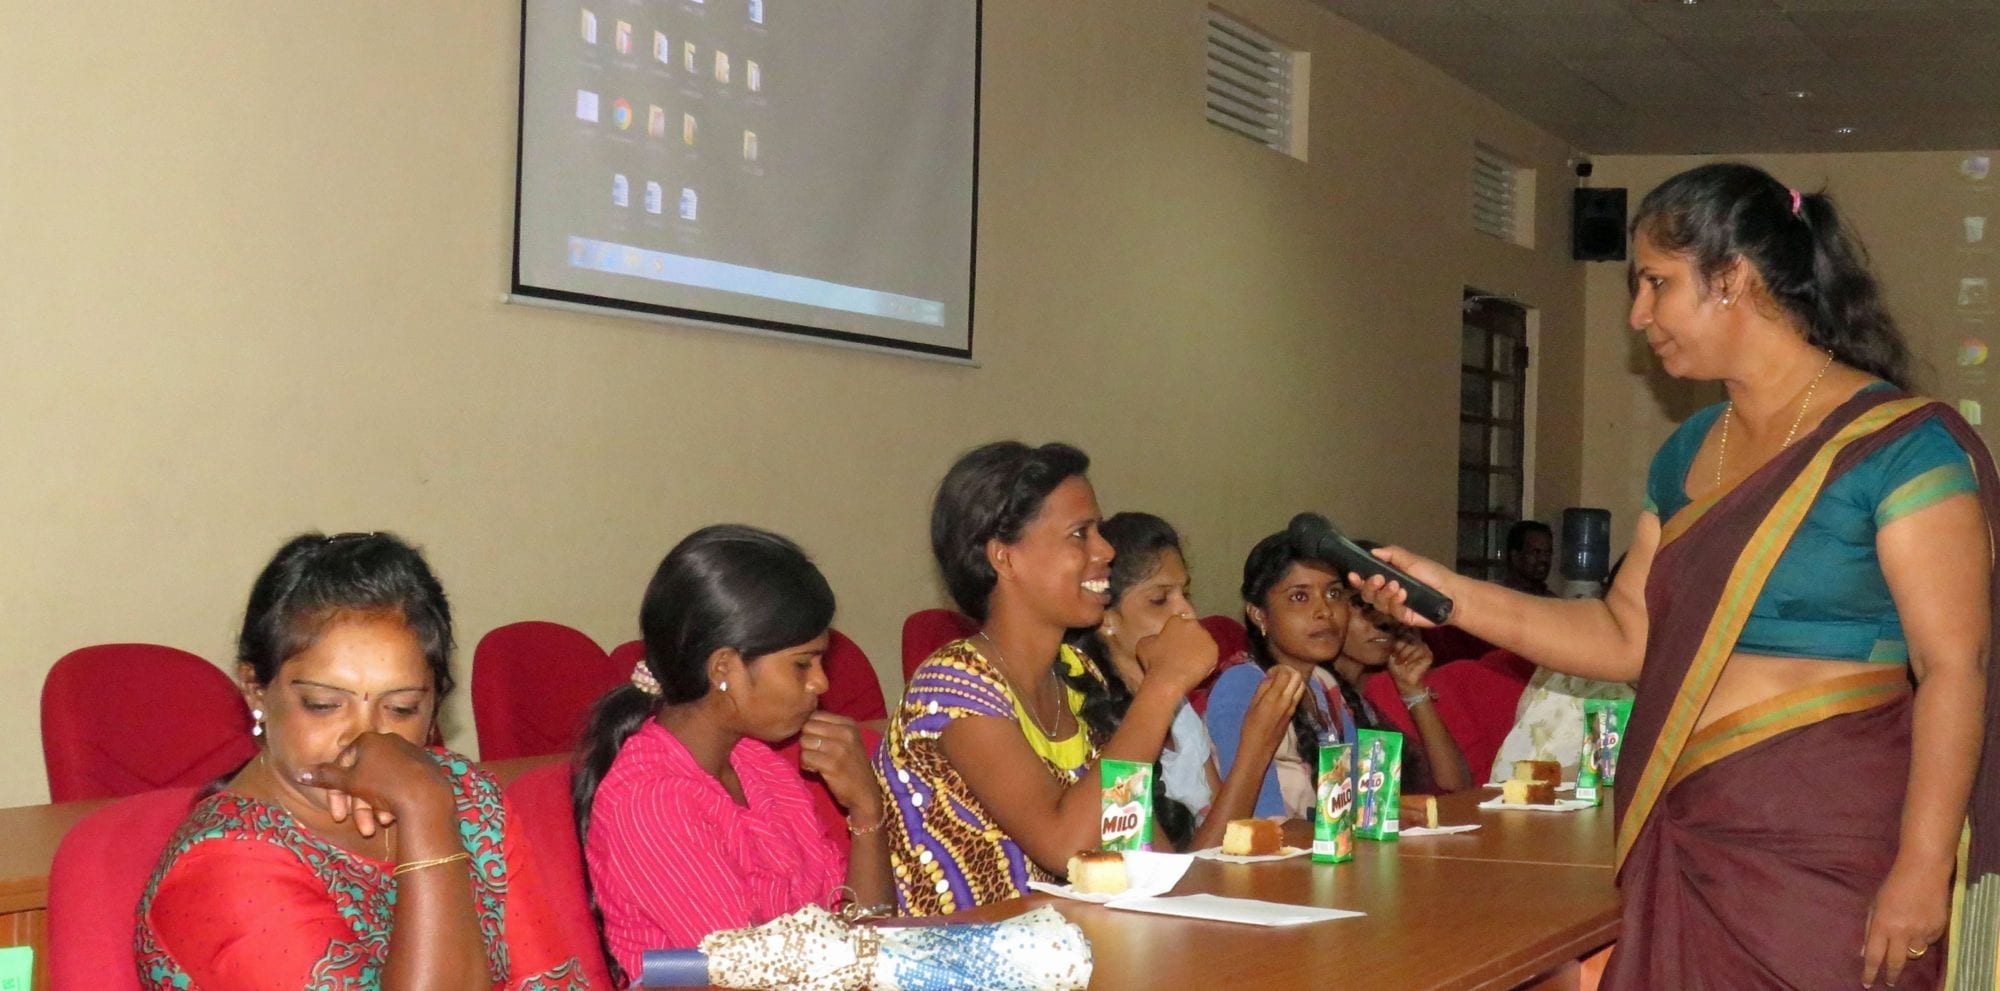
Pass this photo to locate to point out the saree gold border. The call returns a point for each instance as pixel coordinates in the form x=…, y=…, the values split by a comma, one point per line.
x=1754, y=724
x=1746, y=580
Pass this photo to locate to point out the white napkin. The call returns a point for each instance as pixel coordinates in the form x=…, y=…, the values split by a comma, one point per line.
x=1244, y=910
x=1215, y=853
x=1439, y=831
x=1149, y=873
x=1561, y=805
x=1565, y=786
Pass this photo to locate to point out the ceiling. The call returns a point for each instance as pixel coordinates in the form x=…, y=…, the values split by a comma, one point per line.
x=1718, y=76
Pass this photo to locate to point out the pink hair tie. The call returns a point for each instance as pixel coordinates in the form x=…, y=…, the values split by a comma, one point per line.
x=1796, y=199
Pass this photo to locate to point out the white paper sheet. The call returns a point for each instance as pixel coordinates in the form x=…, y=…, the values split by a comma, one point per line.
x=1149, y=873
x=1561, y=805
x=1215, y=853
x=1439, y=831
x=1243, y=910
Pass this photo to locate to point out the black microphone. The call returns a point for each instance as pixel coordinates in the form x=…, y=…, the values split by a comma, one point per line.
x=1316, y=535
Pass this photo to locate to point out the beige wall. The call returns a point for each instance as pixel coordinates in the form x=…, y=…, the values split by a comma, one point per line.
x=252, y=286
x=1909, y=211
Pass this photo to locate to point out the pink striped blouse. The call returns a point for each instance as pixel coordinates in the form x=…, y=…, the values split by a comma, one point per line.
x=673, y=858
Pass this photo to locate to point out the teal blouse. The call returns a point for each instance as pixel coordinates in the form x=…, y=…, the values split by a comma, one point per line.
x=1827, y=597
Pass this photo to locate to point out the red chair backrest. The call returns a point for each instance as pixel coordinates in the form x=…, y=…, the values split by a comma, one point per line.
x=627, y=655
x=533, y=684
x=928, y=629
x=852, y=687
x=100, y=870
x=1449, y=643
x=1232, y=647
x=832, y=820
x=1476, y=703
x=539, y=800
x=125, y=718
x=1510, y=664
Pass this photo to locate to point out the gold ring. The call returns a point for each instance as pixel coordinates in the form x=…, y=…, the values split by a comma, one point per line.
x=1916, y=951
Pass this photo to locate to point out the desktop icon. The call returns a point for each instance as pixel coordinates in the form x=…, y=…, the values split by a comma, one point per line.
x=656, y=121
x=621, y=190
x=687, y=55
x=756, y=11
x=753, y=76
x=1971, y=351
x=621, y=113
x=663, y=52
x=688, y=203
x=722, y=67
x=654, y=197
x=1969, y=408
x=749, y=146
x=1975, y=167
x=622, y=38
x=1975, y=230
x=589, y=27
x=687, y=128
x=1975, y=292
x=586, y=105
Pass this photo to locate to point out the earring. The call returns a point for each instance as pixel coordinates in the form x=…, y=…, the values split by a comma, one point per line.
x=723, y=687
x=1725, y=301
x=257, y=722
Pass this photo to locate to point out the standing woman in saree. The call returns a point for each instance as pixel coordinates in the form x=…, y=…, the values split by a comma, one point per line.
x=1807, y=608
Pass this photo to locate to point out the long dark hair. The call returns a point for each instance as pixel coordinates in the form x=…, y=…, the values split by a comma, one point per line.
x=1267, y=564
x=1812, y=265
x=993, y=492
x=724, y=586
x=1139, y=540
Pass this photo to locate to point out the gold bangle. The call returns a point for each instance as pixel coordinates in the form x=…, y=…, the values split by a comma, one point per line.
x=417, y=865
x=854, y=830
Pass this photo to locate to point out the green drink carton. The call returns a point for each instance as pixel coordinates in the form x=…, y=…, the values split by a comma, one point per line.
x=1333, y=827
x=1127, y=823
x=1378, y=784
x=1603, y=731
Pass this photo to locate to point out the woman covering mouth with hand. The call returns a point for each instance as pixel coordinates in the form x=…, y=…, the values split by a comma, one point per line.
x=990, y=760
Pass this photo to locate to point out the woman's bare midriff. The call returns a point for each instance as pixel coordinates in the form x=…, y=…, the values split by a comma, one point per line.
x=1748, y=679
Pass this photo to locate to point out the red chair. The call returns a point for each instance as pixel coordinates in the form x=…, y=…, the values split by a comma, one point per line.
x=1232, y=647
x=832, y=821
x=100, y=870
x=627, y=655
x=533, y=683
x=1449, y=643
x=928, y=629
x=119, y=719
x=539, y=801
x=852, y=687
x=1476, y=703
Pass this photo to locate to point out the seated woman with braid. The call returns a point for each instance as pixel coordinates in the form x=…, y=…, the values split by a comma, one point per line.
x=347, y=853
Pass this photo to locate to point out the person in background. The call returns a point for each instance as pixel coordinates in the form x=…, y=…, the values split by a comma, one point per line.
x=690, y=822
x=989, y=761
x=1531, y=547
x=1807, y=610
x=1192, y=804
x=348, y=853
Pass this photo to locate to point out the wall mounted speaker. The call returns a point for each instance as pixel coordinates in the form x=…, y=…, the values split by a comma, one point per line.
x=1597, y=225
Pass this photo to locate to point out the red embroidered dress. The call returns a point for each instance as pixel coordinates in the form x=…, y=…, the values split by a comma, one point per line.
x=244, y=897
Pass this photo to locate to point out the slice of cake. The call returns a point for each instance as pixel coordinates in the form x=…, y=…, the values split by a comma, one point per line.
x=1252, y=838
x=1098, y=872
x=1420, y=810
x=1538, y=770
x=1528, y=793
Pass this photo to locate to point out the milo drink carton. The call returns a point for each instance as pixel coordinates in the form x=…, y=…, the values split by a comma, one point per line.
x=1127, y=822
x=1603, y=731
x=1378, y=783
x=1333, y=826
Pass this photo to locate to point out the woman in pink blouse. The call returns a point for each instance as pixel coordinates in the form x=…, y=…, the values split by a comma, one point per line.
x=690, y=822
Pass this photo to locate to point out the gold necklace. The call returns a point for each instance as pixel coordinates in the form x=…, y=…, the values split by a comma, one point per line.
x=1722, y=449
x=1033, y=717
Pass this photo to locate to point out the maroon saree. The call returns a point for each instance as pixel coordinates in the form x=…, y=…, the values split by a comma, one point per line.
x=1749, y=852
